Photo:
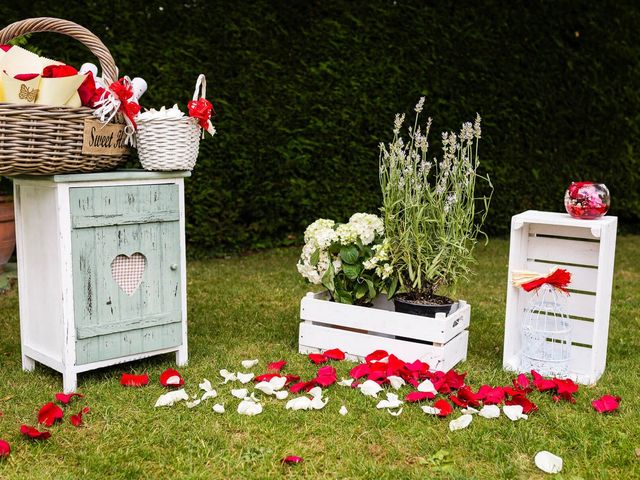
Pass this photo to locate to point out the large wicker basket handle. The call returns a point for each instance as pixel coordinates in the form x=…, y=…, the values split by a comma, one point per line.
x=56, y=25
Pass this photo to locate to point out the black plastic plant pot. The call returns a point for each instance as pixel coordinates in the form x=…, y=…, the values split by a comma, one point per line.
x=423, y=309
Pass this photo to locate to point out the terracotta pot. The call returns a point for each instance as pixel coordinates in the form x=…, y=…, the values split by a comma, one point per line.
x=7, y=229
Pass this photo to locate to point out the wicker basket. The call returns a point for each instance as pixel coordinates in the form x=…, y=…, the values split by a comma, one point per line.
x=45, y=140
x=171, y=144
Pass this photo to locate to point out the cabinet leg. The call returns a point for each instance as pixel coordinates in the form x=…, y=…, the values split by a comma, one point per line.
x=28, y=364
x=182, y=356
x=69, y=382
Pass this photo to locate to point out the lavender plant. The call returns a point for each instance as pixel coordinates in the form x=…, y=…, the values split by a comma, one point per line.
x=432, y=216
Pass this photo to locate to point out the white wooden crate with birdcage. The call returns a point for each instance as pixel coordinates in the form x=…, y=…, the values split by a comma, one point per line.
x=541, y=241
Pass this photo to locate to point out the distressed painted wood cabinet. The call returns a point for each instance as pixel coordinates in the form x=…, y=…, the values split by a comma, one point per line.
x=101, y=269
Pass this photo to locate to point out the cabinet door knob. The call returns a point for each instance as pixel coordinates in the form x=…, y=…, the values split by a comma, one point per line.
x=174, y=266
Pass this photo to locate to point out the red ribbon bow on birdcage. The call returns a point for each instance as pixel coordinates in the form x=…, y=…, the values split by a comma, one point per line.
x=557, y=277
x=201, y=109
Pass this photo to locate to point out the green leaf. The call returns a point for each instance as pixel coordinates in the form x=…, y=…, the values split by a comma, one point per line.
x=315, y=258
x=327, y=279
x=351, y=271
x=349, y=254
x=371, y=287
x=393, y=287
x=361, y=291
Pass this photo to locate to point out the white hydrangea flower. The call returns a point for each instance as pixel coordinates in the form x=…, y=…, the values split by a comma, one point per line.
x=347, y=233
x=320, y=224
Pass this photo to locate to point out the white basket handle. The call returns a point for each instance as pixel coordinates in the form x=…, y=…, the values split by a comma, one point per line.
x=201, y=84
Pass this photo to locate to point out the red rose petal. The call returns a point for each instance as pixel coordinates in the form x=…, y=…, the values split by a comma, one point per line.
x=395, y=366
x=65, y=399
x=335, y=354
x=49, y=414
x=359, y=371
x=291, y=460
x=34, y=433
x=490, y=395
x=376, y=356
x=326, y=376
x=458, y=402
x=413, y=397
x=291, y=378
x=454, y=379
x=318, y=358
x=167, y=375
x=130, y=380
x=527, y=405
x=541, y=383
x=76, y=420
x=606, y=403
x=5, y=448
x=300, y=386
x=276, y=366
x=444, y=407
x=522, y=382
x=566, y=388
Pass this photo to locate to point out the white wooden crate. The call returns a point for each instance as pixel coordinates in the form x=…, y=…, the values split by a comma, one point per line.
x=586, y=248
x=441, y=341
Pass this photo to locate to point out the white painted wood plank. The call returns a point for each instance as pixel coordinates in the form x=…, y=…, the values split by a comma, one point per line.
x=360, y=344
x=582, y=278
x=581, y=361
x=561, y=219
x=563, y=251
x=582, y=332
x=536, y=229
x=315, y=308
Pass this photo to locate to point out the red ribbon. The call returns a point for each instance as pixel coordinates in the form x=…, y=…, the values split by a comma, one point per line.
x=559, y=279
x=201, y=109
x=124, y=91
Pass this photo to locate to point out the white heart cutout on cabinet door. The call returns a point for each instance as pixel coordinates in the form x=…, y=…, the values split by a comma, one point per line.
x=128, y=271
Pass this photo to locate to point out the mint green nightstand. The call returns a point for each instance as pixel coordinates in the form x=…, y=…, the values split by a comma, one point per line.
x=101, y=269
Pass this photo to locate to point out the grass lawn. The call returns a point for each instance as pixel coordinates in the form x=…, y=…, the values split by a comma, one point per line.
x=247, y=307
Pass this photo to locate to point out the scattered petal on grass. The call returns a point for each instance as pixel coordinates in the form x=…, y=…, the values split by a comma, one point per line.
x=281, y=395
x=168, y=399
x=395, y=381
x=247, y=364
x=527, y=405
x=239, y=392
x=360, y=371
x=227, y=375
x=391, y=401
x=413, y=397
x=209, y=394
x=276, y=366
x=249, y=407
x=278, y=383
x=193, y=403
x=264, y=387
x=469, y=411
x=76, y=420
x=244, y=377
x=490, y=411
x=370, y=388
x=335, y=354
x=514, y=412
x=427, y=387
x=49, y=414
x=606, y=403
x=396, y=413
x=171, y=378
x=346, y=382
x=548, y=462
x=218, y=408
x=343, y=410
x=461, y=422
x=315, y=392
x=376, y=356
x=34, y=433
x=318, y=358
x=5, y=448
x=291, y=460
x=65, y=399
x=430, y=410
x=205, y=385
x=444, y=407
x=129, y=380
x=317, y=403
x=299, y=403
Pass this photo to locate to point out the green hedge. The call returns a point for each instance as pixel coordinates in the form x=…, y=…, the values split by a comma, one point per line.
x=306, y=90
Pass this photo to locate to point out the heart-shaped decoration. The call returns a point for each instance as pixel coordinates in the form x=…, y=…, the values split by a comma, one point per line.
x=128, y=271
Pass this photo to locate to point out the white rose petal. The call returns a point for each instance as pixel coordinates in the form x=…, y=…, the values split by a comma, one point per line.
x=227, y=375
x=239, y=392
x=206, y=385
x=548, y=462
x=193, y=404
x=346, y=382
x=396, y=413
x=277, y=382
x=396, y=382
x=244, y=377
x=315, y=392
x=281, y=395
x=299, y=403
x=430, y=410
x=170, y=398
x=427, y=386
x=173, y=380
x=218, y=408
x=209, y=394
x=469, y=411
x=461, y=422
x=514, y=412
x=249, y=407
x=264, y=387
x=370, y=388
x=489, y=411
x=343, y=410
x=247, y=364
x=391, y=401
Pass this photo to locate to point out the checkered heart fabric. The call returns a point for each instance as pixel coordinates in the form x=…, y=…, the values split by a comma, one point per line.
x=128, y=271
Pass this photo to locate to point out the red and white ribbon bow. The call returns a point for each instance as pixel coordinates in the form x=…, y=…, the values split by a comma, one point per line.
x=557, y=277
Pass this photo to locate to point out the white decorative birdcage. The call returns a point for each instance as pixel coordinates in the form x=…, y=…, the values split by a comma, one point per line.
x=546, y=334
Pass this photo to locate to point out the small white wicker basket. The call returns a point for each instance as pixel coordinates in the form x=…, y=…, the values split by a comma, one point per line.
x=171, y=144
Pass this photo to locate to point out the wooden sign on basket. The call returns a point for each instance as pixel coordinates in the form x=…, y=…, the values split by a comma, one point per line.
x=101, y=139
